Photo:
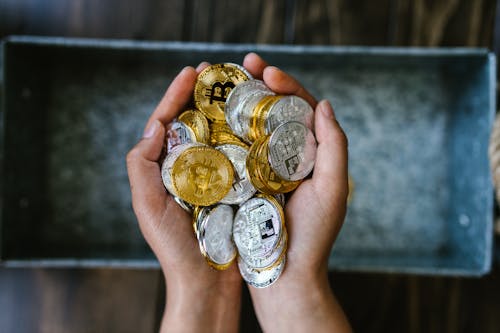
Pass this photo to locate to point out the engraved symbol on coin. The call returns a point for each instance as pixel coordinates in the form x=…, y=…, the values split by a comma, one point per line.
x=219, y=91
x=203, y=175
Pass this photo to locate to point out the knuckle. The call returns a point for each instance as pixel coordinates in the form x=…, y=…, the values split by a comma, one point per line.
x=132, y=156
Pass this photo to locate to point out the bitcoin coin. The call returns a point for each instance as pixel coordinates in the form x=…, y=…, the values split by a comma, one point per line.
x=241, y=189
x=289, y=108
x=168, y=162
x=216, y=236
x=178, y=133
x=235, y=100
x=202, y=175
x=260, y=173
x=292, y=151
x=212, y=87
x=258, y=227
x=258, y=119
x=261, y=279
x=198, y=123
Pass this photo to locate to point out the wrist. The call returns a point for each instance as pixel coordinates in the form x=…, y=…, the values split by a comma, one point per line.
x=299, y=303
x=202, y=305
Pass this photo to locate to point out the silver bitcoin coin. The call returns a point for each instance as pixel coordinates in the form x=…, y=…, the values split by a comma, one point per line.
x=235, y=99
x=261, y=279
x=258, y=227
x=177, y=134
x=242, y=189
x=216, y=234
x=289, y=108
x=292, y=151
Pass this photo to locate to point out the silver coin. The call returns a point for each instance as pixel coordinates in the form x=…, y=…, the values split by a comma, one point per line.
x=200, y=218
x=184, y=205
x=292, y=151
x=261, y=279
x=280, y=197
x=242, y=189
x=246, y=112
x=168, y=162
x=259, y=264
x=178, y=133
x=216, y=234
x=241, y=68
x=238, y=109
x=289, y=108
x=257, y=228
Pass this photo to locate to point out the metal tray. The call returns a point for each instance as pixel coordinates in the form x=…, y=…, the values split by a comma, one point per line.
x=418, y=122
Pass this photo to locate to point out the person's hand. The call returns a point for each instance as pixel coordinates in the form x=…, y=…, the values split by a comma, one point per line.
x=301, y=299
x=198, y=297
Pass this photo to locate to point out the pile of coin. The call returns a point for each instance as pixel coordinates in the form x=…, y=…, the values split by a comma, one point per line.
x=229, y=159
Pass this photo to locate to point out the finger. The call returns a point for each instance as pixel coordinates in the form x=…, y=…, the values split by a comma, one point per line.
x=330, y=169
x=202, y=66
x=255, y=65
x=176, y=97
x=282, y=83
x=148, y=193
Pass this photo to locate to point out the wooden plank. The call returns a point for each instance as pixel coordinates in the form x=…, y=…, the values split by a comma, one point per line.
x=155, y=19
x=237, y=22
x=78, y=300
x=341, y=22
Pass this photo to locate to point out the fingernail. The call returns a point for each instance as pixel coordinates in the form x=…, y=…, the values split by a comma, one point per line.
x=202, y=65
x=151, y=130
x=327, y=109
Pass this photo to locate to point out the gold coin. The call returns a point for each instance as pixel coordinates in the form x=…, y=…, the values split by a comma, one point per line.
x=212, y=87
x=195, y=120
x=262, y=176
x=202, y=175
x=258, y=118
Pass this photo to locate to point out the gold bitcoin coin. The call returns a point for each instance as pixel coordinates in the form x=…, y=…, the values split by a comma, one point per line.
x=212, y=87
x=202, y=175
x=195, y=120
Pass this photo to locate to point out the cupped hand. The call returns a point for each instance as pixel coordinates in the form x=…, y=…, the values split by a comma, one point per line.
x=197, y=295
x=314, y=215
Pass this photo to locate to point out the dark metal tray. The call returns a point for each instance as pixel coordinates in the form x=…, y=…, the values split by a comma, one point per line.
x=418, y=122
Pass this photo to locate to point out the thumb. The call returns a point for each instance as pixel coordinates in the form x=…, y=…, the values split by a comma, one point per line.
x=148, y=193
x=330, y=169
